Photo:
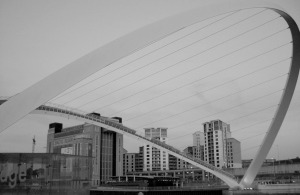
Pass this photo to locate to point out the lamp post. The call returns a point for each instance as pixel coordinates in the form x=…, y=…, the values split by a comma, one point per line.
x=49, y=178
x=273, y=167
x=278, y=154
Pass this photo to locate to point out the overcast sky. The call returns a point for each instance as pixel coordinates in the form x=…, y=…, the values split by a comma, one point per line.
x=38, y=38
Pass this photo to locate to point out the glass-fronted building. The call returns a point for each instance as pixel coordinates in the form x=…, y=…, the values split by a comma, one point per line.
x=90, y=140
x=41, y=173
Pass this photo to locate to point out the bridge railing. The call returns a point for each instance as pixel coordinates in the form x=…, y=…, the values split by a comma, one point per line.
x=164, y=188
x=109, y=122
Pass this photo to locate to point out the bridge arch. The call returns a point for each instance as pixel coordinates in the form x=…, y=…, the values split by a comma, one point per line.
x=28, y=100
x=106, y=123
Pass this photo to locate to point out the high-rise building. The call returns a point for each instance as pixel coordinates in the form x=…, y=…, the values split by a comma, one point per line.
x=216, y=134
x=89, y=140
x=198, y=139
x=234, y=159
x=154, y=159
x=198, y=143
x=139, y=160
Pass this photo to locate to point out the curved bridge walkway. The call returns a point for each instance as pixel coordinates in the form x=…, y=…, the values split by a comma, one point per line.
x=57, y=110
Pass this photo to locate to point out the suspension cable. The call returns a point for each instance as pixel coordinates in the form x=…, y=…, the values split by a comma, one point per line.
x=147, y=53
x=195, y=81
x=181, y=62
x=205, y=103
x=227, y=109
x=173, y=53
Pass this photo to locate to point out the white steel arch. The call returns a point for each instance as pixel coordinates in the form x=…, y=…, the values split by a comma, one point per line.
x=22, y=104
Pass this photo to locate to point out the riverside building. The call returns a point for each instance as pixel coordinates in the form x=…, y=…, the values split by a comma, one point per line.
x=198, y=145
x=220, y=149
x=234, y=159
x=154, y=159
x=89, y=140
x=129, y=162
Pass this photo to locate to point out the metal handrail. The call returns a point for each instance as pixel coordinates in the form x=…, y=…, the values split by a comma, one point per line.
x=162, y=187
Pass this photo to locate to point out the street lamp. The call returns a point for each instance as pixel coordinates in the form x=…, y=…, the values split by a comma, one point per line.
x=273, y=167
x=278, y=154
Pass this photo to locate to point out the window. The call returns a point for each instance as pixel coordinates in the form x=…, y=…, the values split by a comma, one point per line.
x=216, y=143
x=217, y=154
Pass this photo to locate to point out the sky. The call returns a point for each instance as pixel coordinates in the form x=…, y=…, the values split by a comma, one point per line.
x=38, y=38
